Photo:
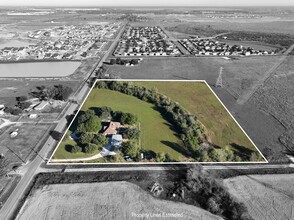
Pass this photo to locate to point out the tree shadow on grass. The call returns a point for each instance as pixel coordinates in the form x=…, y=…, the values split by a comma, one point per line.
x=168, y=118
x=242, y=151
x=176, y=147
x=68, y=147
x=149, y=154
x=74, y=124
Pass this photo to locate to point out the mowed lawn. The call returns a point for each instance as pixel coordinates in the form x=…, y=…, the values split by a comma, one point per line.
x=63, y=153
x=156, y=134
x=198, y=99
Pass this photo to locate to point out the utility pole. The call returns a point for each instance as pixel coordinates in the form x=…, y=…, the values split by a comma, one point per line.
x=219, y=81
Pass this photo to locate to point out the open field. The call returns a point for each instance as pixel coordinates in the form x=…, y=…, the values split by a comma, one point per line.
x=19, y=149
x=107, y=200
x=265, y=25
x=199, y=100
x=267, y=197
x=238, y=74
x=275, y=97
x=238, y=77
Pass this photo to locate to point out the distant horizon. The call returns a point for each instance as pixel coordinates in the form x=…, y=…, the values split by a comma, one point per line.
x=146, y=6
x=149, y=3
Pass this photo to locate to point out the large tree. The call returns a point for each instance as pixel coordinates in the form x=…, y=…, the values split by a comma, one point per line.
x=130, y=148
x=128, y=118
x=93, y=124
x=86, y=138
x=99, y=140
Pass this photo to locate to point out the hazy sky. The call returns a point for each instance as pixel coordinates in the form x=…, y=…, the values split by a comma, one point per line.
x=146, y=2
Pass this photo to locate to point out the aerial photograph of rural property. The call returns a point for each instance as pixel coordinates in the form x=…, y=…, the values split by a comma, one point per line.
x=154, y=121
x=130, y=110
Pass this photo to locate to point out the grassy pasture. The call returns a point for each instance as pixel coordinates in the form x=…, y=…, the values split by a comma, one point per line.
x=200, y=101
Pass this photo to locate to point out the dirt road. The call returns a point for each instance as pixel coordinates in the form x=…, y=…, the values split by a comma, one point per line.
x=256, y=85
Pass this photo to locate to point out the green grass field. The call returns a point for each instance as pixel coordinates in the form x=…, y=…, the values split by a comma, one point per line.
x=198, y=99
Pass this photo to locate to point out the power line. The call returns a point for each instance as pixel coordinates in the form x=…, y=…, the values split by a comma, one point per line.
x=219, y=81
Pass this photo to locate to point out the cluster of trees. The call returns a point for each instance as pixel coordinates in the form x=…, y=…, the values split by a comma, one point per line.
x=212, y=154
x=131, y=133
x=12, y=110
x=203, y=190
x=132, y=18
x=162, y=157
x=131, y=148
x=88, y=121
x=125, y=118
x=284, y=40
x=88, y=126
x=22, y=104
x=206, y=30
x=120, y=61
x=56, y=92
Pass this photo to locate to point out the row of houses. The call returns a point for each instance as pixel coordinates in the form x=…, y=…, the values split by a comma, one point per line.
x=207, y=47
x=97, y=31
x=145, y=41
x=66, y=42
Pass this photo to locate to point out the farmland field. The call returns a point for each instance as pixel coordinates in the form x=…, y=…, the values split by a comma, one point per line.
x=106, y=200
x=238, y=74
x=267, y=197
x=265, y=25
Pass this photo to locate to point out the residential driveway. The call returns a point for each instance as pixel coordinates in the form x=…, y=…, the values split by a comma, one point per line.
x=97, y=156
x=106, y=150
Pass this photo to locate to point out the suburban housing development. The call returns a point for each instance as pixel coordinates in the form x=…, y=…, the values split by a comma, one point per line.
x=145, y=41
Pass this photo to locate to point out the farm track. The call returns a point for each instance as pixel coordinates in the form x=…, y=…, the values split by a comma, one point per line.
x=247, y=95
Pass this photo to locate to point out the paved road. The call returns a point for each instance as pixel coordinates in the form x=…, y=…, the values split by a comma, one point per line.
x=53, y=168
x=246, y=96
x=32, y=168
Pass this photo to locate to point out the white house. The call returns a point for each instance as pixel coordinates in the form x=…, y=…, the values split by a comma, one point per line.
x=116, y=140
